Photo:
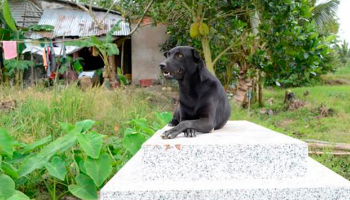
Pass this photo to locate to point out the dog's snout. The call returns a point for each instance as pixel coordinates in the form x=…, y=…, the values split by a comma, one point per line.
x=162, y=65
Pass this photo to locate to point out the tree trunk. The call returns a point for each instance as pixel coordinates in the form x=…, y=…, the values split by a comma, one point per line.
x=245, y=82
x=261, y=104
x=122, y=58
x=242, y=88
x=112, y=69
x=207, y=54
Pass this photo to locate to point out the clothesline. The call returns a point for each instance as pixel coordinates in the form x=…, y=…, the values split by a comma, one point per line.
x=43, y=42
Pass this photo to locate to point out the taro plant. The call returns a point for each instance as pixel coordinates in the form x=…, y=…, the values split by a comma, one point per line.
x=7, y=185
x=140, y=130
x=78, y=163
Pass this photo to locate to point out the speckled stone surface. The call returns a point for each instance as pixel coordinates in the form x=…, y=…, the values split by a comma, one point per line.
x=319, y=183
x=142, y=178
x=240, y=150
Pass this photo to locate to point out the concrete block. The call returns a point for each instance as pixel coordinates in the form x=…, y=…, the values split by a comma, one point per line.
x=319, y=183
x=242, y=161
x=240, y=150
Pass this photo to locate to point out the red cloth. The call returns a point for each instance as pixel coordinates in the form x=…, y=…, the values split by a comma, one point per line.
x=10, y=49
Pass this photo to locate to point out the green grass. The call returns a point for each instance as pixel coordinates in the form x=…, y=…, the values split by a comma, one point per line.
x=340, y=76
x=39, y=110
x=343, y=72
x=306, y=122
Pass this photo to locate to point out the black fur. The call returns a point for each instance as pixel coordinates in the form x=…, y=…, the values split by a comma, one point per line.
x=203, y=102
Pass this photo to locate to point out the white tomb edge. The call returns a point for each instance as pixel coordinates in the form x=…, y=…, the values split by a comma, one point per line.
x=140, y=179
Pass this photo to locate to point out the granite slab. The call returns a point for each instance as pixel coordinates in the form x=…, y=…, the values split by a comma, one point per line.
x=319, y=183
x=242, y=161
x=240, y=150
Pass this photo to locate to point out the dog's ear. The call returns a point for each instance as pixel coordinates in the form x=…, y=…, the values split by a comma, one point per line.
x=203, y=72
x=195, y=55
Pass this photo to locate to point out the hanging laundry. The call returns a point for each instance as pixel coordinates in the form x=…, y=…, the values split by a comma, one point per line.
x=53, y=61
x=10, y=49
x=48, y=54
x=44, y=58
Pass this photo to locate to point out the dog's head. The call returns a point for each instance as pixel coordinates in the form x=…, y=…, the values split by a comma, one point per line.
x=179, y=61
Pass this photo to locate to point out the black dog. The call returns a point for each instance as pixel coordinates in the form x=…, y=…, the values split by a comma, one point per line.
x=203, y=102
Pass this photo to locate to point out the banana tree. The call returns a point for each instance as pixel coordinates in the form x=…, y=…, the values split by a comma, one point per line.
x=106, y=48
x=11, y=32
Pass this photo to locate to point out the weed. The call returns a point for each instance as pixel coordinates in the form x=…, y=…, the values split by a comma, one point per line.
x=43, y=153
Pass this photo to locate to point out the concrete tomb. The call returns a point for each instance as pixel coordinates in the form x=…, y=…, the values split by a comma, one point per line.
x=242, y=161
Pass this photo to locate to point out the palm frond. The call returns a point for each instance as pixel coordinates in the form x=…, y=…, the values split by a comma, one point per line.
x=325, y=14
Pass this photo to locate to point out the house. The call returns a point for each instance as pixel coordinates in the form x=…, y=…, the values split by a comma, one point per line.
x=139, y=53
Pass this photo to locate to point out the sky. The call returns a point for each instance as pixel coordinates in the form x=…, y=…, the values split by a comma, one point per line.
x=344, y=19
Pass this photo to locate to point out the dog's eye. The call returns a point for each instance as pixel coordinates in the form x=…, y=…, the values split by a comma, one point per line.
x=166, y=54
x=179, y=55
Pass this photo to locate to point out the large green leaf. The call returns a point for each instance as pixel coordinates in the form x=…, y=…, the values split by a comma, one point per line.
x=57, y=168
x=19, y=196
x=4, y=33
x=6, y=143
x=142, y=125
x=112, y=49
x=85, y=188
x=85, y=125
x=133, y=142
x=37, y=144
x=9, y=169
x=99, y=169
x=60, y=145
x=82, y=168
x=164, y=117
x=109, y=36
x=91, y=143
x=30, y=164
x=67, y=127
x=95, y=41
x=8, y=17
x=7, y=186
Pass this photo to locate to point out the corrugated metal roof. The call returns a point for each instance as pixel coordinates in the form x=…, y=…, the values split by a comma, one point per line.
x=25, y=13
x=68, y=22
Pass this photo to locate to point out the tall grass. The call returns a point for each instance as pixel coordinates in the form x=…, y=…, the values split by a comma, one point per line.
x=305, y=122
x=39, y=110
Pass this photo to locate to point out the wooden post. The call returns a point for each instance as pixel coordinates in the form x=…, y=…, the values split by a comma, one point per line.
x=122, y=58
x=113, y=68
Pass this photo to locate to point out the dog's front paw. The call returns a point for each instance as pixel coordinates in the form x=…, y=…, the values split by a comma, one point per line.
x=170, y=134
x=190, y=132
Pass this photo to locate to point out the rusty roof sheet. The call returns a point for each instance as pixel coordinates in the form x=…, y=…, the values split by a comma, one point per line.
x=68, y=22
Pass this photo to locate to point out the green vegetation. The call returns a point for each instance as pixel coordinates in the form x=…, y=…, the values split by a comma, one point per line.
x=307, y=122
x=340, y=76
x=53, y=141
x=47, y=157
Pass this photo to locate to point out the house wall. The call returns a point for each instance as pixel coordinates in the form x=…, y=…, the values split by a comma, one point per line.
x=145, y=52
